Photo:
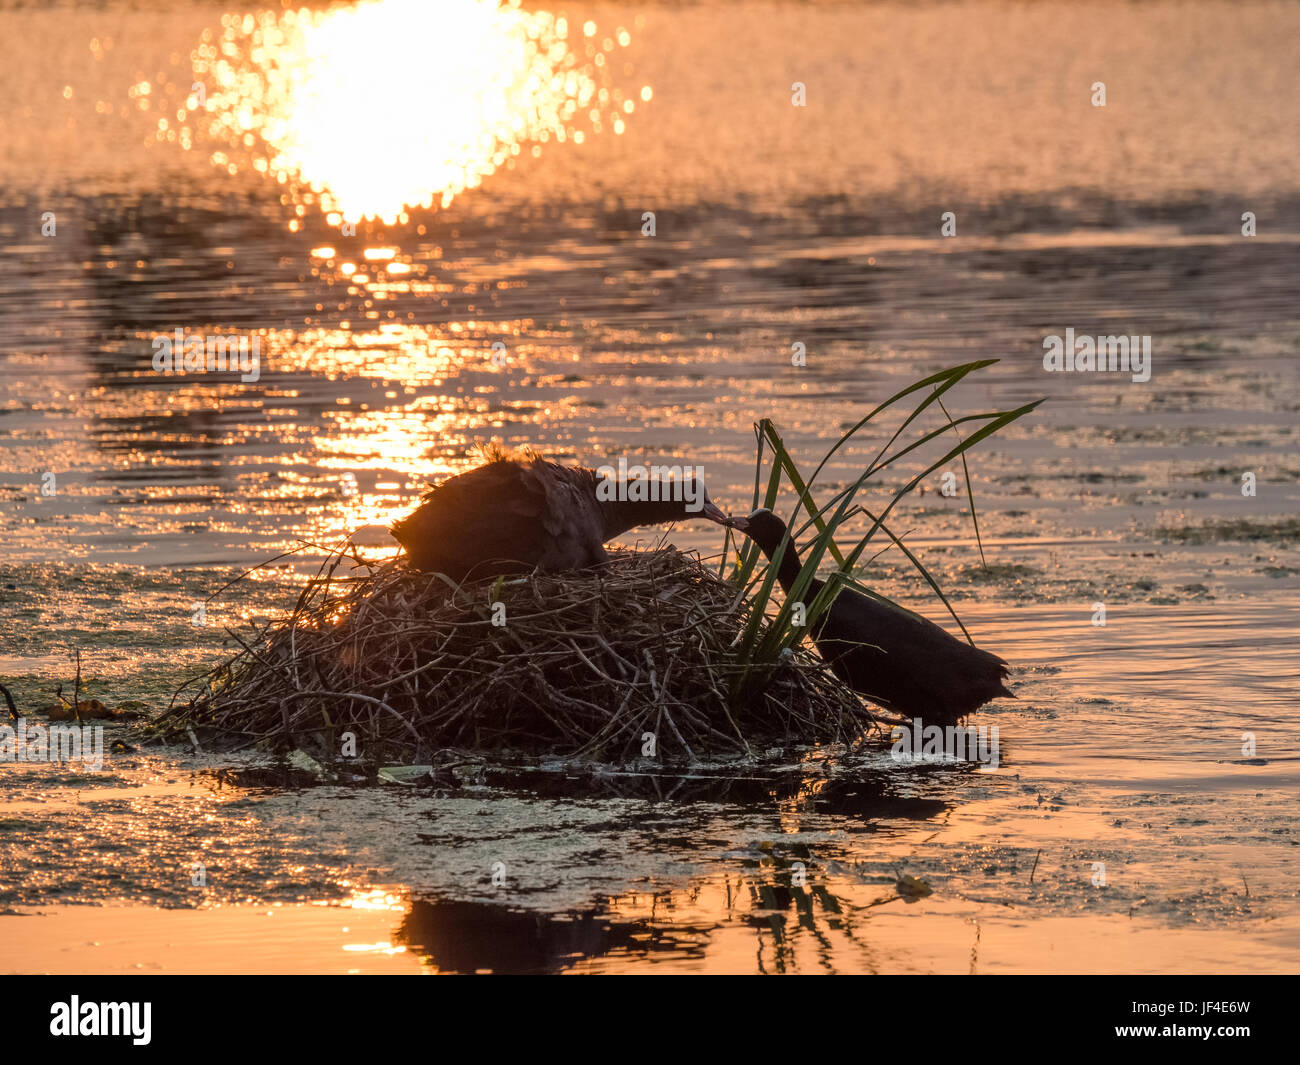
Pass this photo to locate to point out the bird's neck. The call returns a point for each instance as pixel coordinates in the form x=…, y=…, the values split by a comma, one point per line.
x=790, y=564
x=620, y=515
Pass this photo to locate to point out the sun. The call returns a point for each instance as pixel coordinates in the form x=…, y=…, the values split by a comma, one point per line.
x=371, y=110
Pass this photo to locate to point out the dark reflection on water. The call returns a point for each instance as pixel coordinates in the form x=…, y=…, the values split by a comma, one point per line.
x=792, y=920
x=772, y=897
x=778, y=903
x=467, y=937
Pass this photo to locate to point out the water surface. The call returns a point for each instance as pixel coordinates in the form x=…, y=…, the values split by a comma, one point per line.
x=775, y=225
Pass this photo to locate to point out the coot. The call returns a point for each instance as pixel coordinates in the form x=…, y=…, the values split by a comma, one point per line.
x=890, y=655
x=518, y=513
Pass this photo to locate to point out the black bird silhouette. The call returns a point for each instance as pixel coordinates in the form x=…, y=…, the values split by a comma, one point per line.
x=516, y=513
x=892, y=656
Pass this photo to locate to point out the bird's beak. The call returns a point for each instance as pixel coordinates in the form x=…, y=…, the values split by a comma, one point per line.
x=714, y=513
x=740, y=524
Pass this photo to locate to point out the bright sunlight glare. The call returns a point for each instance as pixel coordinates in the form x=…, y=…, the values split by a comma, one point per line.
x=393, y=104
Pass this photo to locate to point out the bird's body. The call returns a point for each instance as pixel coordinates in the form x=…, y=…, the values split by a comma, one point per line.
x=892, y=656
x=516, y=514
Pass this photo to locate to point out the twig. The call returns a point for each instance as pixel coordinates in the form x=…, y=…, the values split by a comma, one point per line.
x=13, y=710
x=76, y=690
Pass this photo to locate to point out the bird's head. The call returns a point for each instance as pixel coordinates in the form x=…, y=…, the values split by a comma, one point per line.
x=763, y=527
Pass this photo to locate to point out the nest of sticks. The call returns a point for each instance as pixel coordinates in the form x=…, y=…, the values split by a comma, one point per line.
x=576, y=664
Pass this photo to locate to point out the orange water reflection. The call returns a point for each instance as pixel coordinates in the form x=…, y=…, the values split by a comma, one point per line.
x=719, y=925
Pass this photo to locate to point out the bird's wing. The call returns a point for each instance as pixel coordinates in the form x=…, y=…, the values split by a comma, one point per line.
x=570, y=515
x=491, y=512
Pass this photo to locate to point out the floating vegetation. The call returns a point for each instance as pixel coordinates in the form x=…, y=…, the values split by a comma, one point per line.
x=1283, y=530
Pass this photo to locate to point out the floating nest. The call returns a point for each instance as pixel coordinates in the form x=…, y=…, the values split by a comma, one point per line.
x=576, y=664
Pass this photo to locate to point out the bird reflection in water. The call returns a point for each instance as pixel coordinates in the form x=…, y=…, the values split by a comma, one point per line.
x=780, y=905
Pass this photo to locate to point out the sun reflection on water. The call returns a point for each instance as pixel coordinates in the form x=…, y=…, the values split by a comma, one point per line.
x=367, y=111
x=375, y=899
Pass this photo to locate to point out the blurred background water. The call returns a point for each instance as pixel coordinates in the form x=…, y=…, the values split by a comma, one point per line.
x=774, y=225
